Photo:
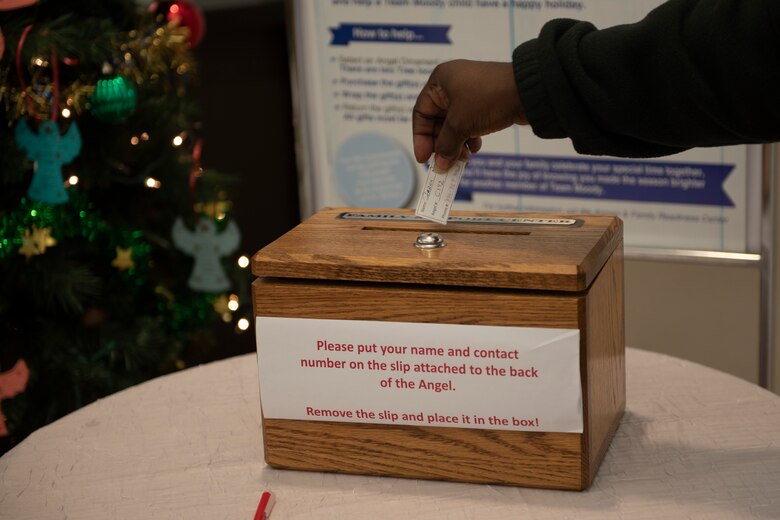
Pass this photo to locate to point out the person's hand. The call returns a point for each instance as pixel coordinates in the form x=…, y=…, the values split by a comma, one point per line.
x=462, y=101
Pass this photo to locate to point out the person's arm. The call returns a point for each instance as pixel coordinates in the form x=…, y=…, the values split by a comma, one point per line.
x=692, y=73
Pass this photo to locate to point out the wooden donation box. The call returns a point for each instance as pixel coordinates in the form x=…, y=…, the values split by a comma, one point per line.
x=489, y=350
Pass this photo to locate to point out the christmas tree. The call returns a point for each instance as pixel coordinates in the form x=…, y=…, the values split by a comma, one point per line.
x=118, y=254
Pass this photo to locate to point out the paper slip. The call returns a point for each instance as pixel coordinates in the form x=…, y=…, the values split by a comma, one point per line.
x=439, y=192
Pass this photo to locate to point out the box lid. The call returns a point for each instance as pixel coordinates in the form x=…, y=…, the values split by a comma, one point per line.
x=483, y=249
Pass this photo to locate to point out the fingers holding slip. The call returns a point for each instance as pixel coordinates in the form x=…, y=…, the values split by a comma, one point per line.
x=462, y=101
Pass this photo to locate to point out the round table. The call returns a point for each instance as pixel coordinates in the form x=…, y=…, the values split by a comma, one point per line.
x=694, y=443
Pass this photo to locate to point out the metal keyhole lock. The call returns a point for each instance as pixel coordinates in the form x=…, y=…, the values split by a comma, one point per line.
x=429, y=240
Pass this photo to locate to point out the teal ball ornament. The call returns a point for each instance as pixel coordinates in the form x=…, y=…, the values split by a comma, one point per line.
x=114, y=99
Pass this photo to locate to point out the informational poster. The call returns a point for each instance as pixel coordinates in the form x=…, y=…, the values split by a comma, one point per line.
x=360, y=65
x=420, y=374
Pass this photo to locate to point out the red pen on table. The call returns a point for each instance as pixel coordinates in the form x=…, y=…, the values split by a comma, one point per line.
x=265, y=506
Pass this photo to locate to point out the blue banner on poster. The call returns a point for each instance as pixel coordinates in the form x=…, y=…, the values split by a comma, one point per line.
x=369, y=32
x=647, y=181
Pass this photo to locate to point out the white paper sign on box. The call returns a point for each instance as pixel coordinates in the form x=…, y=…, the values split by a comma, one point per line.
x=421, y=374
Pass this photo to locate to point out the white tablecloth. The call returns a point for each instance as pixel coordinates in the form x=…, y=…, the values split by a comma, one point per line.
x=694, y=443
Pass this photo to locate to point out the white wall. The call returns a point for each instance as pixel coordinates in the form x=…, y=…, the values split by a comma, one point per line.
x=709, y=314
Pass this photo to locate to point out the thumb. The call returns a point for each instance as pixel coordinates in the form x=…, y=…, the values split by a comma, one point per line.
x=442, y=165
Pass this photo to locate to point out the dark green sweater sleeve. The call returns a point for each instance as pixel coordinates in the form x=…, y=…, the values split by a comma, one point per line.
x=692, y=73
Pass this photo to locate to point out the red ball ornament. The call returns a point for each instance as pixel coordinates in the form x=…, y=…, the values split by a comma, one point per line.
x=9, y=5
x=185, y=14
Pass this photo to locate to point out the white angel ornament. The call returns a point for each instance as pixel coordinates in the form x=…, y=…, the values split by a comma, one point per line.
x=207, y=246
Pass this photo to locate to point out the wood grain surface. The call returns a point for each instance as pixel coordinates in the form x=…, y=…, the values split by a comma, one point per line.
x=603, y=365
x=530, y=459
x=550, y=258
x=296, y=298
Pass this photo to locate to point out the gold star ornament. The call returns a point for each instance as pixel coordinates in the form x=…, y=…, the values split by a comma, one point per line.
x=221, y=304
x=215, y=209
x=35, y=241
x=124, y=259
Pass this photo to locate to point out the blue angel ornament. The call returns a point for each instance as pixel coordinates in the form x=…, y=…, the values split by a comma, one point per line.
x=50, y=151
